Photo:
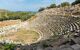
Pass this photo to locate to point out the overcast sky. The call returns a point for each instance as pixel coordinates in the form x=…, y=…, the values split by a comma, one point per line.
x=28, y=5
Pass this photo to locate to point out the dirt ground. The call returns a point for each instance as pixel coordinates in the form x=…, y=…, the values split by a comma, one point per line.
x=9, y=22
x=24, y=36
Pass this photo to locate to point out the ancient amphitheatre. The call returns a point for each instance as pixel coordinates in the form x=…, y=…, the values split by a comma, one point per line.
x=45, y=25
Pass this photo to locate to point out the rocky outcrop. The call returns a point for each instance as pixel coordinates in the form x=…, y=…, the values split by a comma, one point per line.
x=66, y=11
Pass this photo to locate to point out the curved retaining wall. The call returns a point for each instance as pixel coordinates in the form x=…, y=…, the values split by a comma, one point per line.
x=8, y=28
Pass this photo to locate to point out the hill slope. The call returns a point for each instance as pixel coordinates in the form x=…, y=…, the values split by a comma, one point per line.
x=58, y=32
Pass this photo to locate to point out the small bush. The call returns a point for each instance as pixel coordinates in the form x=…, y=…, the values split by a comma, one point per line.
x=41, y=9
x=52, y=6
x=65, y=4
x=76, y=2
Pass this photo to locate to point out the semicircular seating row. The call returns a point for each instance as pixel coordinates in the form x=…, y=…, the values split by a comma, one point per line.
x=5, y=29
x=56, y=25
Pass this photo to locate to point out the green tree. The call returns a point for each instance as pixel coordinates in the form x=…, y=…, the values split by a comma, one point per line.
x=52, y=6
x=58, y=6
x=41, y=9
x=65, y=4
x=76, y=2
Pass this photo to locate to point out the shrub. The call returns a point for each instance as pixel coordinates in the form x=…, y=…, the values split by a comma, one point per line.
x=65, y=4
x=16, y=15
x=52, y=6
x=76, y=2
x=41, y=9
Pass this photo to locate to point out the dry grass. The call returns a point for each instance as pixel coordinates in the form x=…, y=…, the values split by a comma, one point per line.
x=24, y=36
x=32, y=18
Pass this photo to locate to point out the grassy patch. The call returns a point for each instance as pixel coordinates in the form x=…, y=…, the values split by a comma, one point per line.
x=23, y=36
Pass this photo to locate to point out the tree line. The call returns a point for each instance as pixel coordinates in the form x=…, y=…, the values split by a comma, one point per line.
x=16, y=15
x=60, y=5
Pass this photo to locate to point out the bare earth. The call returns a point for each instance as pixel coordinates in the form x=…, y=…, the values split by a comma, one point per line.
x=9, y=22
x=23, y=36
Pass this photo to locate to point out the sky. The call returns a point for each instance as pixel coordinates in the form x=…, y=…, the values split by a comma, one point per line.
x=28, y=5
